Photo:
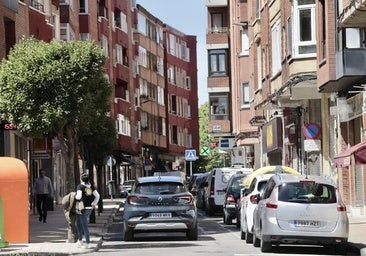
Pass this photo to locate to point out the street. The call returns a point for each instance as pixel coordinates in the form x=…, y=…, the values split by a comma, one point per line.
x=215, y=239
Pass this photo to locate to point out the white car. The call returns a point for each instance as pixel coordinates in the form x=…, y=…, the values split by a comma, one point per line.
x=300, y=209
x=248, y=205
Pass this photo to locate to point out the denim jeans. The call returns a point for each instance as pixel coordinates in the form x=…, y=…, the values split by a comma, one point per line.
x=82, y=223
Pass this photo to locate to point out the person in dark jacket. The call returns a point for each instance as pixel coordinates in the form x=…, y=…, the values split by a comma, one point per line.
x=43, y=190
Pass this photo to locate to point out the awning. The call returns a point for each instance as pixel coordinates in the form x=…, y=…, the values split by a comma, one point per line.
x=343, y=159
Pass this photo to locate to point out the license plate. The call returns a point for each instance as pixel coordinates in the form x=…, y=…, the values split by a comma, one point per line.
x=160, y=215
x=307, y=223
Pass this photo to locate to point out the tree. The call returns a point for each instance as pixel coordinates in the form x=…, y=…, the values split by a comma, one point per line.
x=55, y=89
x=214, y=159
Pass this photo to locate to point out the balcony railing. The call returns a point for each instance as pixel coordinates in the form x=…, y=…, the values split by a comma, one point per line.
x=37, y=5
x=217, y=30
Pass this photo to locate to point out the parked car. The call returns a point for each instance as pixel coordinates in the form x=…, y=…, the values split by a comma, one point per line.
x=198, y=189
x=231, y=198
x=254, y=184
x=300, y=209
x=248, y=204
x=216, y=184
x=160, y=203
x=125, y=188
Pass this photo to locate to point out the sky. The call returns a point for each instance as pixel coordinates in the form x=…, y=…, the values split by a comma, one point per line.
x=189, y=17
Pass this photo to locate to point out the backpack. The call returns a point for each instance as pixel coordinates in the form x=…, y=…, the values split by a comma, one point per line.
x=68, y=202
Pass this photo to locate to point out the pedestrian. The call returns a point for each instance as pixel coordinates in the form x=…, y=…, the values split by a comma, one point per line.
x=69, y=203
x=86, y=192
x=43, y=190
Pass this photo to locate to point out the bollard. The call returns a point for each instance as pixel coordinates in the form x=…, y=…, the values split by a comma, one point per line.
x=3, y=243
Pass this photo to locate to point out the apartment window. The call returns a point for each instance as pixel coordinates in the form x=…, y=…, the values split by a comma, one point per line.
x=217, y=62
x=219, y=108
x=123, y=125
x=84, y=36
x=141, y=24
x=83, y=6
x=276, y=48
x=217, y=22
x=304, y=28
x=105, y=45
x=174, y=137
x=289, y=37
x=142, y=56
x=244, y=42
x=355, y=38
x=161, y=96
x=119, y=54
x=171, y=44
x=259, y=66
x=245, y=94
x=257, y=9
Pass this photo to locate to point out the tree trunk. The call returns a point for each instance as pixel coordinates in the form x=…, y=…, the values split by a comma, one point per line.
x=68, y=144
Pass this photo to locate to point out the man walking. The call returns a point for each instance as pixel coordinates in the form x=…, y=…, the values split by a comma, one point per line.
x=43, y=190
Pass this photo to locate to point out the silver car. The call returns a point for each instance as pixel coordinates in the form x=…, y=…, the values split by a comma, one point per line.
x=160, y=203
x=298, y=209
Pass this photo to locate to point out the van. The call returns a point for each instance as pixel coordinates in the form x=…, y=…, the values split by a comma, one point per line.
x=216, y=185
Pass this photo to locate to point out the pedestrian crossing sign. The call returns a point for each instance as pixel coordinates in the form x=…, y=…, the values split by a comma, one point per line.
x=190, y=155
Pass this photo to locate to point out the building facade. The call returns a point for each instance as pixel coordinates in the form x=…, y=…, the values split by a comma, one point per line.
x=303, y=64
x=145, y=92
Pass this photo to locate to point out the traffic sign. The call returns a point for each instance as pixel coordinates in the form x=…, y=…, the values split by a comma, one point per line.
x=205, y=151
x=312, y=131
x=190, y=155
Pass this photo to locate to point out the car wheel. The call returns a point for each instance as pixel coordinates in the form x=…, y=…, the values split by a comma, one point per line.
x=192, y=233
x=238, y=222
x=249, y=237
x=256, y=241
x=227, y=219
x=266, y=246
x=127, y=234
x=242, y=234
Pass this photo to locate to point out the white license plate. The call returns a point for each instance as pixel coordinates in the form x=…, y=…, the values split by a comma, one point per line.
x=307, y=223
x=160, y=215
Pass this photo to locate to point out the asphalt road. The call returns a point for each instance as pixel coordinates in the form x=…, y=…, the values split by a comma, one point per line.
x=215, y=239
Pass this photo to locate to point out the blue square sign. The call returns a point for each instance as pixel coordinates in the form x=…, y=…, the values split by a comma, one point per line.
x=190, y=155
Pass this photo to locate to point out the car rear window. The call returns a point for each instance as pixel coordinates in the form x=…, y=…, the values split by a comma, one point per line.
x=307, y=192
x=160, y=188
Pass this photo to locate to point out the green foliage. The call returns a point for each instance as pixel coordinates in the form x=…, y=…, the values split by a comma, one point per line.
x=214, y=159
x=46, y=86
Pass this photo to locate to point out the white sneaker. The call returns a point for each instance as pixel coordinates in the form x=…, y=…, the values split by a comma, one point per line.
x=86, y=246
x=79, y=243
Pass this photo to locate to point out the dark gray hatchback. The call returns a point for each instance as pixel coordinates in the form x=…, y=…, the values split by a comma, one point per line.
x=160, y=203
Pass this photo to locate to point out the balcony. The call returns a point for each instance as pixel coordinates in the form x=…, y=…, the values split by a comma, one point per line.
x=350, y=70
x=216, y=3
x=353, y=15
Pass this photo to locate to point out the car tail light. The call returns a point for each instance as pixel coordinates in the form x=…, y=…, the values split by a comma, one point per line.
x=253, y=199
x=212, y=189
x=184, y=199
x=137, y=200
x=341, y=207
x=271, y=205
x=230, y=199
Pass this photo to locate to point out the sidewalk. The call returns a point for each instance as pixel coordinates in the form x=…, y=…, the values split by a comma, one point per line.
x=51, y=238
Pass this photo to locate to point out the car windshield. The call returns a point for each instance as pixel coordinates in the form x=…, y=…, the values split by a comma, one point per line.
x=159, y=188
x=307, y=192
x=235, y=186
